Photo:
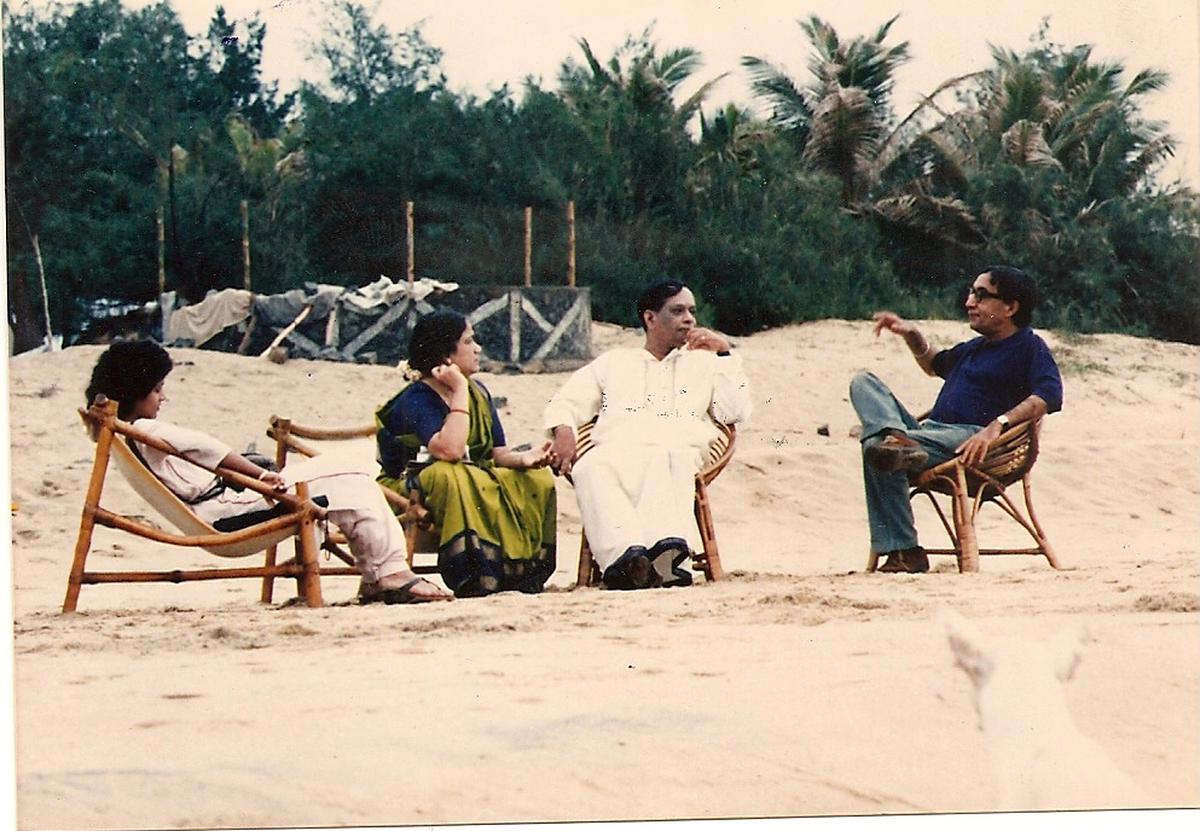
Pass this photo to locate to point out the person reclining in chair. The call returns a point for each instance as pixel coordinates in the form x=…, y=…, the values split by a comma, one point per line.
x=654, y=409
x=1006, y=375
x=134, y=373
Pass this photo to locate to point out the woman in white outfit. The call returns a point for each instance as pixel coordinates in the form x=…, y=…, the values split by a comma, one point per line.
x=134, y=373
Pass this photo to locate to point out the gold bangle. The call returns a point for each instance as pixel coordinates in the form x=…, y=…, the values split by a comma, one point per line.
x=460, y=410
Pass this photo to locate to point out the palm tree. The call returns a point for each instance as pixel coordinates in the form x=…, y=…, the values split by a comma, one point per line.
x=840, y=117
x=627, y=105
x=728, y=153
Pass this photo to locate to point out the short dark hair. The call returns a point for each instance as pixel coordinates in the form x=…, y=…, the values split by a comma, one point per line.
x=127, y=372
x=1014, y=284
x=655, y=295
x=434, y=339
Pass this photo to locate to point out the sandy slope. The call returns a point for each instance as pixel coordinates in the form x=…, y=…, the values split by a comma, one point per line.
x=801, y=686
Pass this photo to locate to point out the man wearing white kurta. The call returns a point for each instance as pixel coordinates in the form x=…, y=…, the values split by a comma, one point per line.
x=655, y=408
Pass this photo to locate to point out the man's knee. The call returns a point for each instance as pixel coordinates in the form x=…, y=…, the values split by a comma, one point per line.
x=863, y=382
x=866, y=387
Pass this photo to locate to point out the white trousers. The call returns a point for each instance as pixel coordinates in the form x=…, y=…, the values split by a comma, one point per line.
x=636, y=495
x=356, y=506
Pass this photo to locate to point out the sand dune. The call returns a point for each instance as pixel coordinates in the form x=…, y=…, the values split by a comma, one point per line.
x=801, y=686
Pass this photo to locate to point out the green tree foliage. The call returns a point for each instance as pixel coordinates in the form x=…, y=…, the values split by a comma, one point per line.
x=110, y=114
x=829, y=207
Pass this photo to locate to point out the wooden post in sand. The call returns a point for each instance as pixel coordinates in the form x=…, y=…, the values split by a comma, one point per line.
x=37, y=254
x=162, y=260
x=408, y=225
x=528, y=246
x=245, y=245
x=571, y=243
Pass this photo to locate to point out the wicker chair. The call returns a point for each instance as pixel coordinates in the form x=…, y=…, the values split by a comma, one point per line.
x=1009, y=460
x=295, y=516
x=708, y=559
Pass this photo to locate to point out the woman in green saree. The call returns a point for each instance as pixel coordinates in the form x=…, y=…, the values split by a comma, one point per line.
x=495, y=507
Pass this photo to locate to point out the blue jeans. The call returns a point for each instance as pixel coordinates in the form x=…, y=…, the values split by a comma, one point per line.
x=889, y=511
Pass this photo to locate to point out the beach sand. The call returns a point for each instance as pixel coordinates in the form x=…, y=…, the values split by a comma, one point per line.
x=801, y=686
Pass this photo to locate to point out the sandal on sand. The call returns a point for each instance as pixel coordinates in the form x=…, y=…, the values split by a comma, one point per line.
x=404, y=594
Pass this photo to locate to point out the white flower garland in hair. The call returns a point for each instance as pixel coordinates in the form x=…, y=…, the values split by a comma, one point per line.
x=407, y=371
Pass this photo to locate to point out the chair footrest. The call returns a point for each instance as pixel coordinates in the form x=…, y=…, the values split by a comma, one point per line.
x=983, y=552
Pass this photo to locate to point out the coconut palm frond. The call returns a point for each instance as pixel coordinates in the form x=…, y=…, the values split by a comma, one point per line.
x=1022, y=96
x=599, y=73
x=844, y=126
x=791, y=104
x=883, y=29
x=1146, y=81
x=942, y=218
x=677, y=66
x=929, y=102
x=946, y=162
x=1157, y=150
x=1075, y=129
x=689, y=107
x=1026, y=146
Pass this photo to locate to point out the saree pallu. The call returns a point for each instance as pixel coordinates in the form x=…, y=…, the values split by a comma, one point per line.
x=497, y=525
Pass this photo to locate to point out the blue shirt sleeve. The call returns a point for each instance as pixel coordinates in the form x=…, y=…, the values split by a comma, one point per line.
x=1045, y=381
x=946, y=359
x=420, y=411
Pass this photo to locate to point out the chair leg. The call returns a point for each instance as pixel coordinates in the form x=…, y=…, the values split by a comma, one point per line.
x=710, y=563
x=306, y=553
x=587, y=566
x=268, y=581
x=1043, y=543
x=87, y=522
x=283, y=429
x=964, y=525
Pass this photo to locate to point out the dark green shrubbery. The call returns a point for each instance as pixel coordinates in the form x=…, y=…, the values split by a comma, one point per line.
x=824, y=210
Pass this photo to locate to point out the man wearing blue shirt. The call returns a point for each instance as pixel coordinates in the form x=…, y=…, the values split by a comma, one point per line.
x=1004, y=376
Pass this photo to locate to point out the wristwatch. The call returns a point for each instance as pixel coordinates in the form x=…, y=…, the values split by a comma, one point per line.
x=1002, y=419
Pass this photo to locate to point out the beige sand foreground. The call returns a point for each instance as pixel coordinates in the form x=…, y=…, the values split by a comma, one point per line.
x=801, y=686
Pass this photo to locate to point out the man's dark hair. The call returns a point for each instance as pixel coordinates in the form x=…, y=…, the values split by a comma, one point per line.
x=434, y=339
x=127, y=372
x=655, y=295
x=1014, y=284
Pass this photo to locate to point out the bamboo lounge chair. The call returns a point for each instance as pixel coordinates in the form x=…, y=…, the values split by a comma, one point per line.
x=708, y=559
x=1009, y=460
x=420, y=532
x=294, y=516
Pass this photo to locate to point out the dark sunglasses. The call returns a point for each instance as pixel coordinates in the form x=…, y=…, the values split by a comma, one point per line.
x=982, y=294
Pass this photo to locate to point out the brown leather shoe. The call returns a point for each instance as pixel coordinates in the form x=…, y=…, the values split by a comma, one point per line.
x=908, y=561
x=896, y=452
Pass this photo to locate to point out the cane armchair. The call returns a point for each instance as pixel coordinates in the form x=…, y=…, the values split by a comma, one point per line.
x=1009, y=460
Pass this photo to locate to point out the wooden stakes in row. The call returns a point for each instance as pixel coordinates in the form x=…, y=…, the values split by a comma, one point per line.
x=410, y=240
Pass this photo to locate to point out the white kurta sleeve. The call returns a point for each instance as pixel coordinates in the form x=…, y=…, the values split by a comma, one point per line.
x=198, y=447
x=185, y=479
x=731, y=390
x=578, y=400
